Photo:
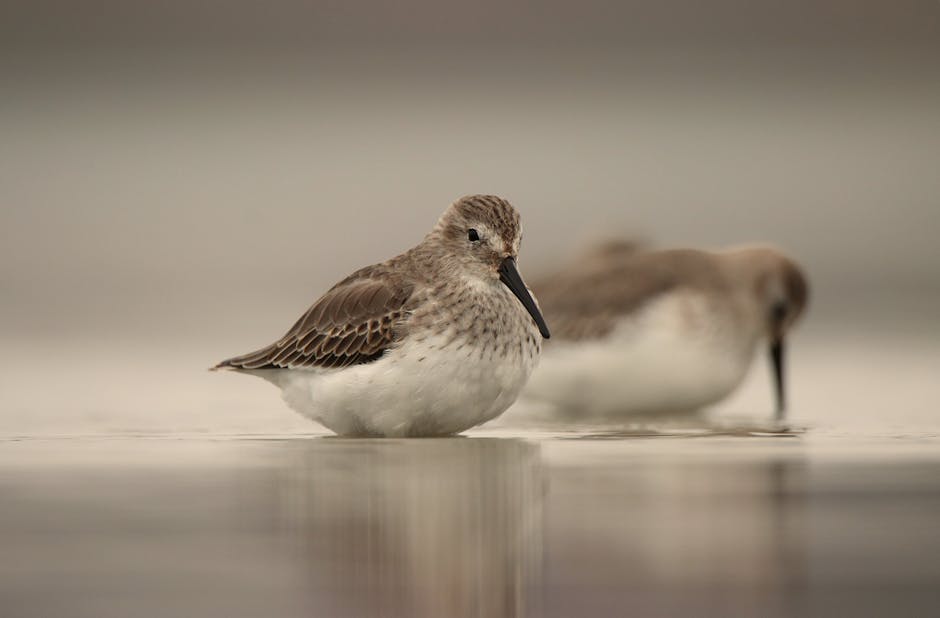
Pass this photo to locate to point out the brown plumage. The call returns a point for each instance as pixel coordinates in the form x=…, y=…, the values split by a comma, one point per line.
x=585, y=300
x=367, y=313
x=431, y=342
x=642, y=331
x=354, y=322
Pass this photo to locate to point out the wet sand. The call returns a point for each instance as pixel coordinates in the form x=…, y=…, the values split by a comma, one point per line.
x=485, y=525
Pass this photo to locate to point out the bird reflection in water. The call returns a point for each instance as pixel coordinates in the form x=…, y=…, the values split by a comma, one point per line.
x=681, y=536
x=444, y=527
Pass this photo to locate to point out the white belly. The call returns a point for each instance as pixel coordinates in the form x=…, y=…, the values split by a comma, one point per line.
x=419, y=389
x=674, y=356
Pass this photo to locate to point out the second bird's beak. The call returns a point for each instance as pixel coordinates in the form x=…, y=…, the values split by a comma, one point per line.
x=778, y=360
x=509, y=275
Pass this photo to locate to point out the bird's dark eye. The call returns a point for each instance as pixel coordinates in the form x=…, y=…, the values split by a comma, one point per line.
x=473, y=235
x=778, y=311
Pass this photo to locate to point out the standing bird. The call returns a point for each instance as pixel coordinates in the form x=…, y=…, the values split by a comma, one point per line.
x=641, y=332
x=432, y=342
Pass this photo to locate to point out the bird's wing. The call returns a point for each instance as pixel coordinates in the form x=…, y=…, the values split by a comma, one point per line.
x=585, y=303
x=353, y=323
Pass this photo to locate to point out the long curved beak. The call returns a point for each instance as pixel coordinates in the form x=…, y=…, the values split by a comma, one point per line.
x=509, y=275
x=778, y=359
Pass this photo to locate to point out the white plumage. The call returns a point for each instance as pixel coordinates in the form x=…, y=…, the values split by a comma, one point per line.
x=672, y=356
x=454, y=387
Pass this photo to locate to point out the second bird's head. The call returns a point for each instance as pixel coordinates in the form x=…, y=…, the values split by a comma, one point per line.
x=480, y=235
x=778, y=286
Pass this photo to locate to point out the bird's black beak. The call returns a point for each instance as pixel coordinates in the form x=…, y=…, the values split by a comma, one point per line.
x=778, y=360
x=509, y=275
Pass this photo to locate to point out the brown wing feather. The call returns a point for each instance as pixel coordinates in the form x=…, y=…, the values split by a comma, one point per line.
x=584, y=300
x=353, y=323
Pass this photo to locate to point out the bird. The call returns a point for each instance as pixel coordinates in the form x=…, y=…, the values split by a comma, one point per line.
x=641, y=332
x=432, y=342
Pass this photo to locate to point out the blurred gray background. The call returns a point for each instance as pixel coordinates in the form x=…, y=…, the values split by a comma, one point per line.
x=179, y=180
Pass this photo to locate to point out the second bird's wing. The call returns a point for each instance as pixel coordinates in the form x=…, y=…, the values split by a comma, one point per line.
x=586, y=303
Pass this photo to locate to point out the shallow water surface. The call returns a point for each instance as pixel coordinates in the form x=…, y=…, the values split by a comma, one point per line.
x=475, y=526
x=151, y=487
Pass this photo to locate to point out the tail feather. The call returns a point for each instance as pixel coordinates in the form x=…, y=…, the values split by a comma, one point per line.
x=259, y=359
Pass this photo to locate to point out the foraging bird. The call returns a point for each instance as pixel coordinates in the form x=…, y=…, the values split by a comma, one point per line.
x=640, y=332
x=432, y=342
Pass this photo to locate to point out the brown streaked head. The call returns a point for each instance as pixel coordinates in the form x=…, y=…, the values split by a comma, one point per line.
x=481, y=234
x=494, y=219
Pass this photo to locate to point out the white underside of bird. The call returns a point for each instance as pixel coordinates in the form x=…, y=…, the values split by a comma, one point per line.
x=675, y=355
x=432, y=387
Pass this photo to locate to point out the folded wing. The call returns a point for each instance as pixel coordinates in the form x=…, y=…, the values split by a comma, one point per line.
x=353, y=323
